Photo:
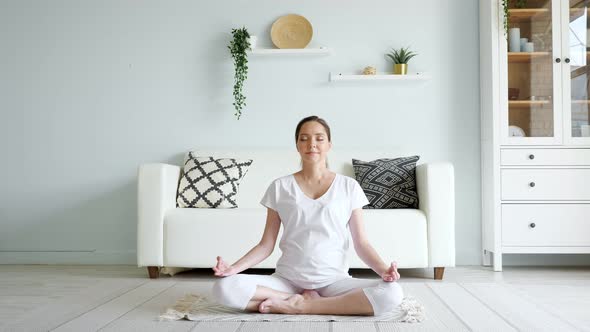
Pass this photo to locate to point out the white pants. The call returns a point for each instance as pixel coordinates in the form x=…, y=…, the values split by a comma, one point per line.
x=237, y=290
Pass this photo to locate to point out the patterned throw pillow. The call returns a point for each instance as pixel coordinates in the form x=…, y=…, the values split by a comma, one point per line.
x=388, y=183
x=210, y=183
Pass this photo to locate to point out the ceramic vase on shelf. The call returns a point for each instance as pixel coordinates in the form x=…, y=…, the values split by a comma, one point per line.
x=523, y=42
x=400, y=68
x=514, y=40
x=253, y=40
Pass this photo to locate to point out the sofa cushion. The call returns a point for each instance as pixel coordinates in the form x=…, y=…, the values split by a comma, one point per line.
x=208, y=182
x=388, y=183
x=194, y=237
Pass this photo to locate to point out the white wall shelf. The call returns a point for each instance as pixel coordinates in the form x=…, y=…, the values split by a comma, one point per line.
x=335, y=77
x=290, y=51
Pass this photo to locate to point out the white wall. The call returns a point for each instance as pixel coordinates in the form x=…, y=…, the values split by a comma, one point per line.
x=91, y=89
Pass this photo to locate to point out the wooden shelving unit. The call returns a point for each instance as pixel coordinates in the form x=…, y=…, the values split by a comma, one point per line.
x=530, y=103
x=523, y=57
x=519, y=15
x=526, y=14
x=527, y=103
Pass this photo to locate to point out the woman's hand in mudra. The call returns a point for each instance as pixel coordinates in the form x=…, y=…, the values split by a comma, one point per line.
x=391, y=273
x=222, y=269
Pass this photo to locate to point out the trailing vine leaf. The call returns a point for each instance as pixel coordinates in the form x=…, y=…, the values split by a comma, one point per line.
x=505, y=4
x=237, y=47
x=520, y=3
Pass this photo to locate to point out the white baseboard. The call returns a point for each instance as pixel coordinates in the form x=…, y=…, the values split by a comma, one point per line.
x=122, y=257
x=546, y=259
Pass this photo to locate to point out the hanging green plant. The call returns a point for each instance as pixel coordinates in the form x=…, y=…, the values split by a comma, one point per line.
x=506, y=16
x=520, y=3
x=238, y=46
x=505, y=5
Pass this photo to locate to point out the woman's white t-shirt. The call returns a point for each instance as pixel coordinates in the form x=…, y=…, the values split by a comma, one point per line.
x=315, y=237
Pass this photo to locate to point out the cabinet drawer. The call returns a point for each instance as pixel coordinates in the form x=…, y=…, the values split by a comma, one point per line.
x=549, y=157
x=546, y=184
x=554, y=224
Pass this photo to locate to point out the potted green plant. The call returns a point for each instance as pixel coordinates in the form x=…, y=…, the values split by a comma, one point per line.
x=400, y=58
x=238, y=46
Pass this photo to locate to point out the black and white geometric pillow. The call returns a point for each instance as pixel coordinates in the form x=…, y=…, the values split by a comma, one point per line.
x=210, y=183
x=388, y=183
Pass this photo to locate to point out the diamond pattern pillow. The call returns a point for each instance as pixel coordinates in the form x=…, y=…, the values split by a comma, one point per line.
x=388, y=183
x=210, y=183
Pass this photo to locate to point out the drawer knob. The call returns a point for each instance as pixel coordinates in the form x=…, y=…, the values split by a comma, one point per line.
x=532, y=184
x=531, y=156
x=532, y=225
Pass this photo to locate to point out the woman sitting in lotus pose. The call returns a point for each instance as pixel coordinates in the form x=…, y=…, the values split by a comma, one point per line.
x=316, y=208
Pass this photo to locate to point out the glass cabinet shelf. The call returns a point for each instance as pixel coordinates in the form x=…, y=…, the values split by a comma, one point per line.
x=527, y=103
x=524, y=57
x=532, y=103
x=526, y=14
x=518, y=15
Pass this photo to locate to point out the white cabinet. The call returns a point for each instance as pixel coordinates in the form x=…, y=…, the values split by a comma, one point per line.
x=535, y=129
x=544, y=97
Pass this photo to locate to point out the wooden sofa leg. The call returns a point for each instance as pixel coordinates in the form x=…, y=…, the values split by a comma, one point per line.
x=438, y=273
x=153, y=272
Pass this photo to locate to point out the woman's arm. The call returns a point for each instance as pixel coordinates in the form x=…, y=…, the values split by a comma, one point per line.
x=366, y=251
x=258, y=253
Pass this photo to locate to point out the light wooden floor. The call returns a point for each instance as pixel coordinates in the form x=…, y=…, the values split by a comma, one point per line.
x=122, y=298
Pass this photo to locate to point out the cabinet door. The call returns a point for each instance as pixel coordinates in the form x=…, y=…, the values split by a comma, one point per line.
x=576, y=71
x=533, y=74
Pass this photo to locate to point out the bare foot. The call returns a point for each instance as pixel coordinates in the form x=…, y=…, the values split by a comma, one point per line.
x=292, y=305
x=310, y=294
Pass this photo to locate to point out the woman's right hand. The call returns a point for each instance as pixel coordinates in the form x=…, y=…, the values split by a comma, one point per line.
x=222, y=269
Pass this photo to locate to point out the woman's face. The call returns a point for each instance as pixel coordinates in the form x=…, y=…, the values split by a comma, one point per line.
x=313, y=144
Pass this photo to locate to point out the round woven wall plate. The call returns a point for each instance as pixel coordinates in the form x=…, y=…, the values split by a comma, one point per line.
x=291, y=31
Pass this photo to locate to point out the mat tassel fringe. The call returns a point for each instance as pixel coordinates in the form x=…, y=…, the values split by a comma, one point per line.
x=198, y=308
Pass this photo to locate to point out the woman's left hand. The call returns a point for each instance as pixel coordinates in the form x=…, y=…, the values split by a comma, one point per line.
x=391, y=273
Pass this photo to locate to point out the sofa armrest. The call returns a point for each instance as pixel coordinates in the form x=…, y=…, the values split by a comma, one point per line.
x=436, y=194
x=156, y=194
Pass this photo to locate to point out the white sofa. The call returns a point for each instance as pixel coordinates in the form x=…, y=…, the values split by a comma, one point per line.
x=168, y=236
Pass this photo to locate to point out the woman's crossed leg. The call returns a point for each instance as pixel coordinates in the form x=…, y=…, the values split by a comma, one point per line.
x=273, y=294
x=348, y=296
x=247, y=291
